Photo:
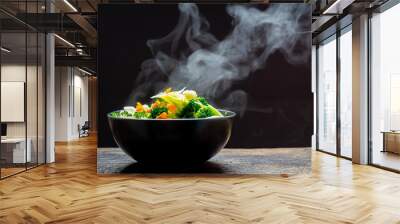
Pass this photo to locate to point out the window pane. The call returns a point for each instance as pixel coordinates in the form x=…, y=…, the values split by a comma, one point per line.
x=346, y=94
x=327, y=97
x=385, y=84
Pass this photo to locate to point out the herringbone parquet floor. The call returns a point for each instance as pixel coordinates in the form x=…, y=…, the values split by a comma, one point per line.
x=70, y=191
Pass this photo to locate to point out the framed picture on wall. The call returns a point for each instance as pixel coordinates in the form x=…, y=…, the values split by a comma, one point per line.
x=12, y=101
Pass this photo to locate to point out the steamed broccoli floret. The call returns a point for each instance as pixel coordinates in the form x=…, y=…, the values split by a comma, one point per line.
x=203, y=101
x=207, y=111
x=121, y=114
x=192, y=107
x=203, y=113
x=114, y=114
x=125, y=113
x=199, y=108
x=214, y=111
x=157, y=111
x=140, y=115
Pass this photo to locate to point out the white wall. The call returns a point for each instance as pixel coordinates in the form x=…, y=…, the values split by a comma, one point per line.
x=62, y=81
x=71, y=102
x=10, y=73
x=33, y=126
x=80, y=102
x=17, y=73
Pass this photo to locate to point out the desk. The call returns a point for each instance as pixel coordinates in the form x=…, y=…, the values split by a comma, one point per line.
x=13, y=150
x=391, y=141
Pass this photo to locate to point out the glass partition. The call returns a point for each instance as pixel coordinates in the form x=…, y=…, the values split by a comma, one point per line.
x=327, y=95
x=346, y=93
x=32, y=98
x=22, y=88
x=35, y=87
x=14, y=153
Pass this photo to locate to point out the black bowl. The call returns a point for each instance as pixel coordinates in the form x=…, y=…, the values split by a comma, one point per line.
x=172, y=141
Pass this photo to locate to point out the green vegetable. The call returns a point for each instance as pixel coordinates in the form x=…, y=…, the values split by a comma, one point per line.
x=199, y=108
x=192, y=107
x=174, y=98
x=175, y=104
x=115, y=114
x=207, y=111
x=203, y=101
x=125, y=113
x=214, y=111
x=157, y=111
x=141, y=115
x=203, y=113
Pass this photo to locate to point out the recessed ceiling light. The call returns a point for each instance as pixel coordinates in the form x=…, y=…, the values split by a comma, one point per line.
x=70, y=5
x=64, y=40
x=84, y=71
x=5, y=50
x=337, y=7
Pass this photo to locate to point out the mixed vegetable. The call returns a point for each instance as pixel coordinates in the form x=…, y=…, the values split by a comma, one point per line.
x=169, y=105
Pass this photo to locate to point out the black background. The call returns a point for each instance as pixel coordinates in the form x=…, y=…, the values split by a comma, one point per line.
x=280, y=106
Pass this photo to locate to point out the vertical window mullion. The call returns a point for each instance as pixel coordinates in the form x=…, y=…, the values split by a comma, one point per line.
x=317, y=97
x=37, y=90
x=369, y=77
x=26, y=87
x=338, y=91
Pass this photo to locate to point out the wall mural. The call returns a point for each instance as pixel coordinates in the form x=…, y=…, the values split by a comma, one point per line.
x=251, y=59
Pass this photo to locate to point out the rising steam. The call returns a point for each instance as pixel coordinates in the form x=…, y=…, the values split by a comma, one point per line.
x=192, y=57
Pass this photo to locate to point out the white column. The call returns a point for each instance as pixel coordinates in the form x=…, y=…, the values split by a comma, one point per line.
x=50, y=100
x=314, y=91
x=360, y=90
x=62, y=103
x=50, y=92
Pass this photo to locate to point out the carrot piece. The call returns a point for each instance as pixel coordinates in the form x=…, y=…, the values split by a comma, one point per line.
x=157, y=103
x=171, y=107
x=163, y=115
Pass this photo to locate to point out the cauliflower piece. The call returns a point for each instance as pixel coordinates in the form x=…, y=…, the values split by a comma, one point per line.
x=146, y=108
x=130, y=109
x=189, y=94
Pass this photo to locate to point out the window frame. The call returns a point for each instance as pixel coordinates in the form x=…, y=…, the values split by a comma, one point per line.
x=333, y=37
x=378, y=10
x=28, y=29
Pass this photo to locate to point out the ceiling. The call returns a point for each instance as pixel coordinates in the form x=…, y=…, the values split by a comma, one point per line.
x=76, y=22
